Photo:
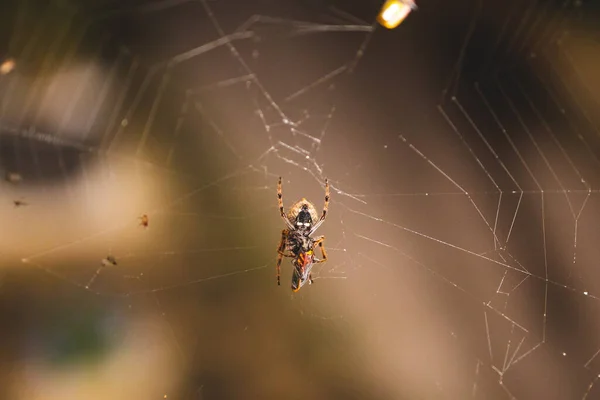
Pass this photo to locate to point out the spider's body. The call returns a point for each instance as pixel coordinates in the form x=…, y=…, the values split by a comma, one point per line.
x=297, y=242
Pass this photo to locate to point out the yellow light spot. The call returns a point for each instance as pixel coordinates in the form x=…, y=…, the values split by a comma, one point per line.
x=7, y=66
x=394, y=12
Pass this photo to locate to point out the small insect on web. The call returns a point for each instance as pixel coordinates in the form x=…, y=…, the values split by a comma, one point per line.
x=108, y=261
x=19, y=203
x=297, y=239
x=144, y=221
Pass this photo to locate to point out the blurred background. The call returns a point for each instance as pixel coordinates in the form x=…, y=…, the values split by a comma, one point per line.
x=463, y=152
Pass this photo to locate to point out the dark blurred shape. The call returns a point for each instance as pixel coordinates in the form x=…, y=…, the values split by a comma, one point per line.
x=13, y=177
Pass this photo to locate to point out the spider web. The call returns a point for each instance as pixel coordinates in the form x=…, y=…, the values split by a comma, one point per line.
x=463, y=257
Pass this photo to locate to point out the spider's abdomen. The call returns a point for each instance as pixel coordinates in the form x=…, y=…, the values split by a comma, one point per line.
x=297, y=208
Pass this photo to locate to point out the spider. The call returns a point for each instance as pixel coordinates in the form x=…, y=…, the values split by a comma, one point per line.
x=296, y=241
x=144, y=221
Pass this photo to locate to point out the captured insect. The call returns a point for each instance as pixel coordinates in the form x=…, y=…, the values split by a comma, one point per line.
x=297, y=242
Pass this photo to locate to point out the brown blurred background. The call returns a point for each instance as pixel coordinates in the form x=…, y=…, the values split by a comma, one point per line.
x=463, y=153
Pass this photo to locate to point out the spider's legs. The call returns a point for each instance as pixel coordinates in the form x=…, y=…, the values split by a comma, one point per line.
x=319, y=242
x=280, y=202
x=325, y=208
x=280, y=254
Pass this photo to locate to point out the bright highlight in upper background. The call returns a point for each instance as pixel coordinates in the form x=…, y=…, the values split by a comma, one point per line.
x=394, y=12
